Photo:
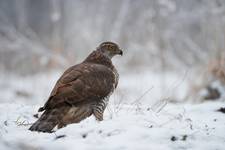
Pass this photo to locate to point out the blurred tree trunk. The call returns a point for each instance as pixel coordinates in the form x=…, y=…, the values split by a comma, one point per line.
x=121, y=17
x=159, y=40
x=56, y=32
x=21, y=15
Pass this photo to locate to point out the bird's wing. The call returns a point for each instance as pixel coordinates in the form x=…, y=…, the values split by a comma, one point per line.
x=82, y=83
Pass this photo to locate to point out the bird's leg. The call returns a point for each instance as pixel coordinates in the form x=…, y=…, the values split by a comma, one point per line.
x=98, y=115
x=99, y=109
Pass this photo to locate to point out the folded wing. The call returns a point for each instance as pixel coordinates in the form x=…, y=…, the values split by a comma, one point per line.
x=82, y=83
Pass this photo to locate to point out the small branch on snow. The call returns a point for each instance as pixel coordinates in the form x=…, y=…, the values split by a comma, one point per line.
x=22, y=123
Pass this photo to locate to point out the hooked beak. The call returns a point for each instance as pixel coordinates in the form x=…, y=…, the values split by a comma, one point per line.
x=120, y=52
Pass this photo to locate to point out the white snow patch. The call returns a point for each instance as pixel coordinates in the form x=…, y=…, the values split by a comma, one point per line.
x=129, y=128
x=138, y=117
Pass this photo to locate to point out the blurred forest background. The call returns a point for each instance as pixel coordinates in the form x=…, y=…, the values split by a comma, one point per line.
x=36, y=35
x=173, y=59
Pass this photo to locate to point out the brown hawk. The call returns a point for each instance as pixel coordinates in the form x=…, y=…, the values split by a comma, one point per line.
x=82, y=90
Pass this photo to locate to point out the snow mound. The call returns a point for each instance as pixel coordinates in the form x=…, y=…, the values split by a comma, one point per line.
x=132, y=127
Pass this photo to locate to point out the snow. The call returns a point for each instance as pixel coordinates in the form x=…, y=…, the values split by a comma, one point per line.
x=134, y=119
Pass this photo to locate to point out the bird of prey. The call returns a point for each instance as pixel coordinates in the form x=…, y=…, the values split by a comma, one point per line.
x=83, y=89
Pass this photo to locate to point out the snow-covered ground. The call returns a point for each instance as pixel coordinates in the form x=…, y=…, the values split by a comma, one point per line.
x=138, y=117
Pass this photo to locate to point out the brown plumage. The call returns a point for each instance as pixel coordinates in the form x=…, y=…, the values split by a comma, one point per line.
x=81, y=91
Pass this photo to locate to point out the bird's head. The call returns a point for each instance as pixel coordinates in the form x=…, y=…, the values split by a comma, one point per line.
x=110, y=49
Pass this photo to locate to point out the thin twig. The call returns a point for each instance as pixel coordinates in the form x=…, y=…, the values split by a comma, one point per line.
x=140, y=97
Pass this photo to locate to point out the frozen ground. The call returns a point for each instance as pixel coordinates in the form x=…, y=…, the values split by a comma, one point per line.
x=138, y=117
